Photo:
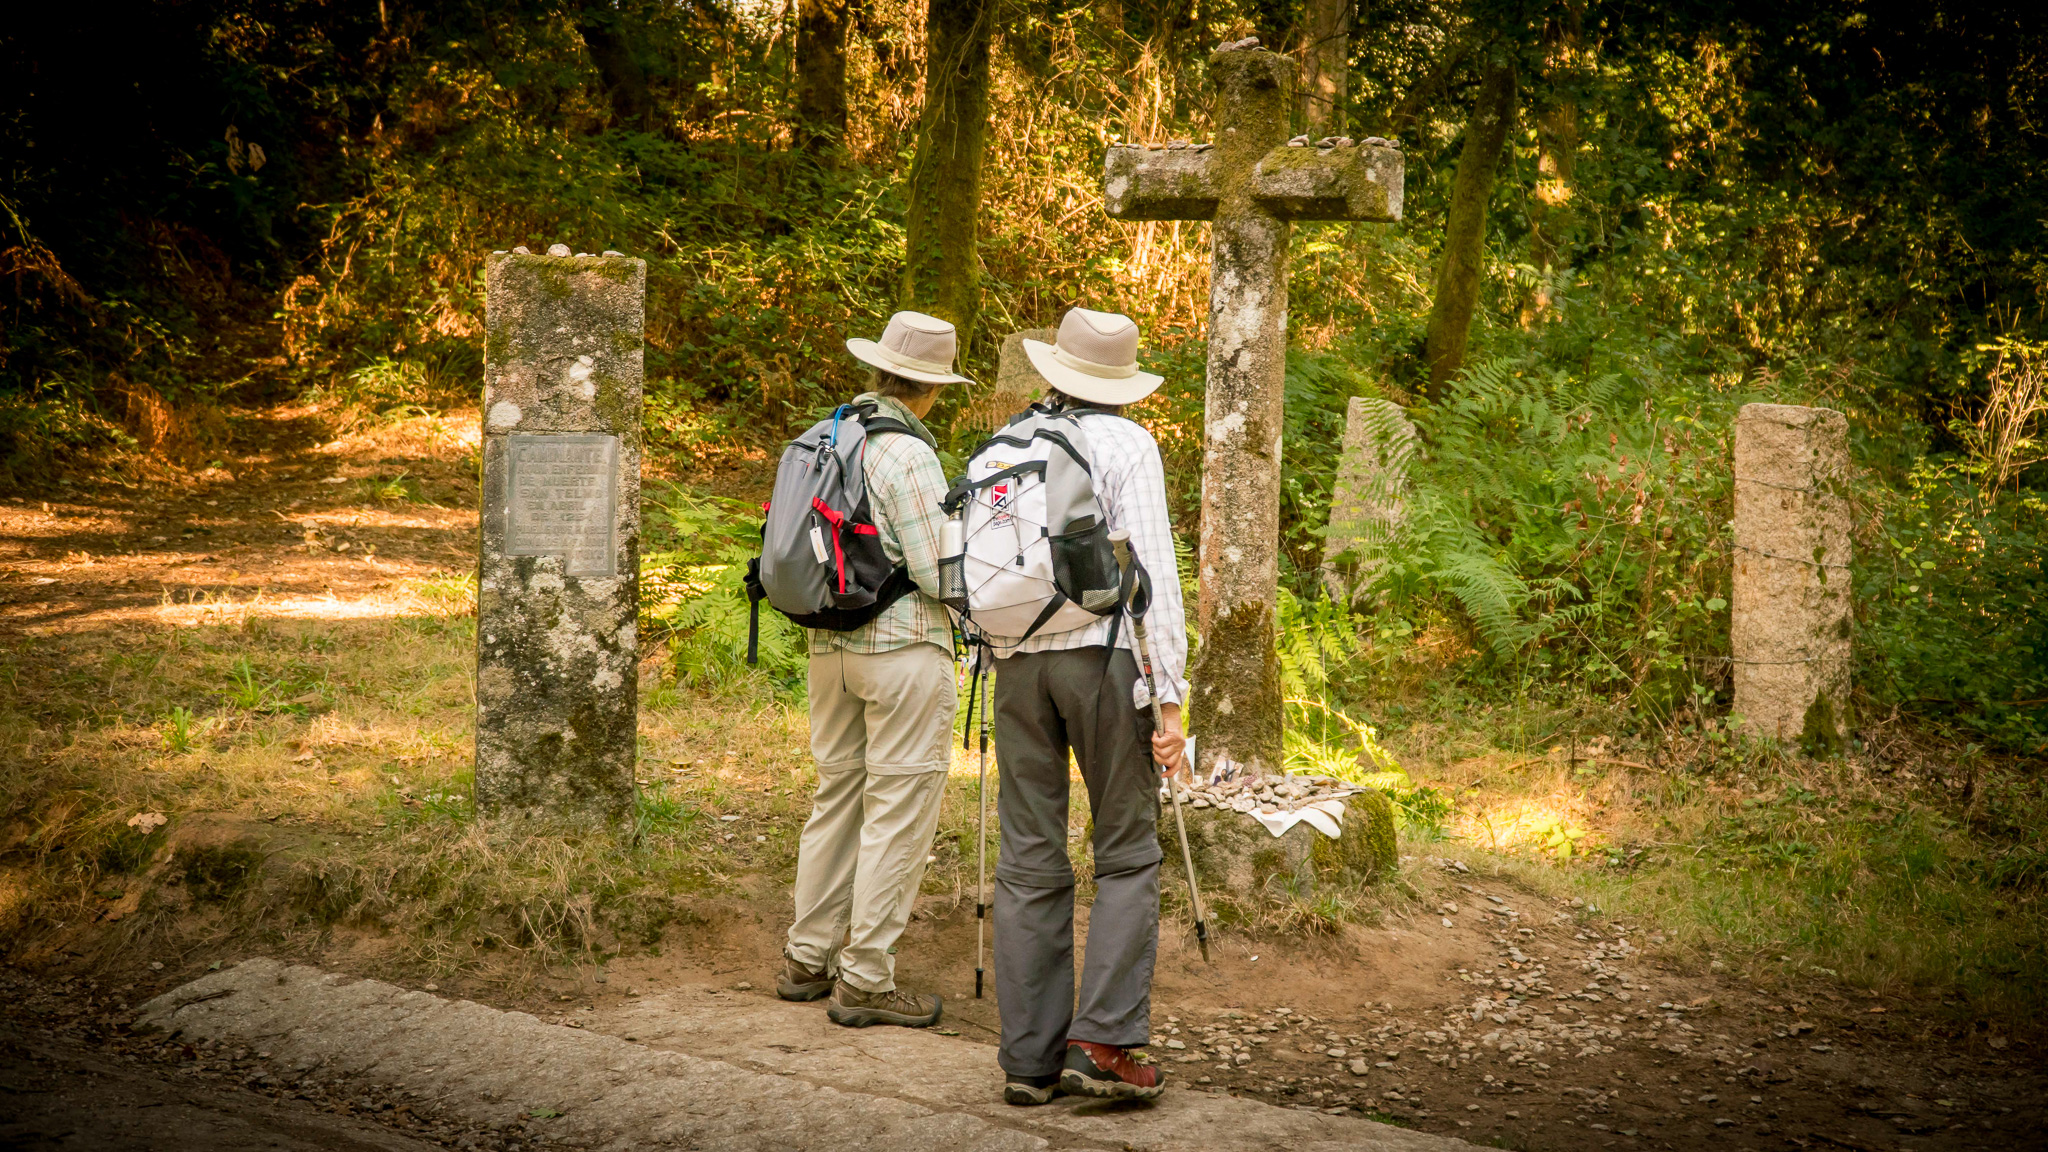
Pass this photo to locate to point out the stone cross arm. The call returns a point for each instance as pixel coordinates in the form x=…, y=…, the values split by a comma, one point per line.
x=1291, y=182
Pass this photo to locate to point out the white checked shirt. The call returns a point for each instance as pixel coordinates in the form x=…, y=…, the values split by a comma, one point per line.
x=1130, y=485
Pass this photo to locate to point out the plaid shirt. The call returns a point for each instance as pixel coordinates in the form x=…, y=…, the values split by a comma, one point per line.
x=905, y=488
x=1130, y=484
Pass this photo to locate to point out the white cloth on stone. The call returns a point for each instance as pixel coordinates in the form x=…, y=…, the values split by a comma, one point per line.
x=1325, y=816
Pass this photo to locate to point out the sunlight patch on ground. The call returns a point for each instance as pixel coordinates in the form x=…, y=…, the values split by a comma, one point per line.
x=370, y=516
x=1540, y=824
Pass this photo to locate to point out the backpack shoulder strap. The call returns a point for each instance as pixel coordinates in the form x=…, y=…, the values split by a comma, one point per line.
x=873, y=423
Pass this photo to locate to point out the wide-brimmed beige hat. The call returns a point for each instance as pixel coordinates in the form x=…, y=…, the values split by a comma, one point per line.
x=914, y=346
x=1094, y=358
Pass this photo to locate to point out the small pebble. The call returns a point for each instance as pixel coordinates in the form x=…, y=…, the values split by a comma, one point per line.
x=558, y=249
x=743, y=986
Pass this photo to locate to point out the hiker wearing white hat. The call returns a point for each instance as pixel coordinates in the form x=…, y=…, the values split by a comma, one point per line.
x=1077, y=692
x=881, y=702
x=915, y=347
x=1094, y=359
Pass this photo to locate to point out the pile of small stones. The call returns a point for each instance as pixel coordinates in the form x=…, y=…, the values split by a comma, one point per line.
x=1250, y=793
x=1329, y=142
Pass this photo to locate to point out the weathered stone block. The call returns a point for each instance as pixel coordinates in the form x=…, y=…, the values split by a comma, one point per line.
x=1347, y=182
x=558, y=571
x=1244, y=869
x=1790, y=626
x=1157, y=184
x=1017, y=383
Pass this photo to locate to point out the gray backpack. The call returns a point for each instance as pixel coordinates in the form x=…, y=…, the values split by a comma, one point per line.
x=822, y=563
x=1036, y=557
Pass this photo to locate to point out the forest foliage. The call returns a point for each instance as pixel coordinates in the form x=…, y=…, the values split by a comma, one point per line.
x=1698, y=205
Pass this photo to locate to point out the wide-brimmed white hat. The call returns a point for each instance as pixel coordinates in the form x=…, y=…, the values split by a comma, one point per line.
x=914, y=346
x=1094, y=358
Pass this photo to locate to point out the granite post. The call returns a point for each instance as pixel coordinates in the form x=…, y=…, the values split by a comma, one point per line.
x=558, y=574
x=1368, y=500
x=1790, y=625
x=1251, y=184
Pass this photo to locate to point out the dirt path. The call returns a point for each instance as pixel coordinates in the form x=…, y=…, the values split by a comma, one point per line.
x=1497, y=1016
x=305, y=524
x=1521, y=1023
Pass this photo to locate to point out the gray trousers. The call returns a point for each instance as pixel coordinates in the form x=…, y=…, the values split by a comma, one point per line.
x=1048, y=703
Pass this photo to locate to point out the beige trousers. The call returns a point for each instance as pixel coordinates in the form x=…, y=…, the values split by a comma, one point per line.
x=881, y=726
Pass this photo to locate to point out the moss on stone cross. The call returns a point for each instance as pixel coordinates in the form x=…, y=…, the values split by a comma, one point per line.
x=1250, y=183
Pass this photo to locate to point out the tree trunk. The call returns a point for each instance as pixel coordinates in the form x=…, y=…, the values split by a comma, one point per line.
x=940, y=272
x=1326, y=67
x=1457, y=281
x=1557, y=149
x=820, y=75
x=625, y=82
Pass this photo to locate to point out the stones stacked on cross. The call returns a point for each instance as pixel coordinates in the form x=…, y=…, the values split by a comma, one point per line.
x=1251, y=183
x=559, y=566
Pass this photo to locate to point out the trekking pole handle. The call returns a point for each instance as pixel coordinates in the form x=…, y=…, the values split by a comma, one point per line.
x=1120, y=543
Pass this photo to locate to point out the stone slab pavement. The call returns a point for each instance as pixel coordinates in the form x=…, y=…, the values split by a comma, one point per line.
x=699, y=1068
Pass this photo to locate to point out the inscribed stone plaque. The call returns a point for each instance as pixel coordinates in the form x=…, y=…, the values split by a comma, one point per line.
x=561, y=499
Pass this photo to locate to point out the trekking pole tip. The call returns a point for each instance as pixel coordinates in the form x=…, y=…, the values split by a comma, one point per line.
x=977, y=983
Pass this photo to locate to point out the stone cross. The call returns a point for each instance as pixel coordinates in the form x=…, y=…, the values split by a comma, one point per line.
x=1369, y=498
x=1789, y=630
x=559, y=570
x=1251, y=184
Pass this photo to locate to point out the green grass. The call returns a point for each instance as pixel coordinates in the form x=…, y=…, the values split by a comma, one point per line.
x=1883, y=877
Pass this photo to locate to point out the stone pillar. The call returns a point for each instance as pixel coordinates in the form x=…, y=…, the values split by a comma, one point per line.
x=1236, y=678
x=1368, y=499
x=558, y=575
x=1017, y=383
x=1790, y=626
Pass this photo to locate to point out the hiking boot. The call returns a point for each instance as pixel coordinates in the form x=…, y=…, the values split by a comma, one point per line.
x=1031, y=1089
x=857, y=1009
x=801, y=983
x=1108, y=1072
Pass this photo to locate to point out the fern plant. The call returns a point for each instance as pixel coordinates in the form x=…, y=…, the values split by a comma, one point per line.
x=1577, y=522
x=691, y=593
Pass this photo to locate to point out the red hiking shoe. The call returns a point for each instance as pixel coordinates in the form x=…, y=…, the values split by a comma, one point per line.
x=1108, y=1072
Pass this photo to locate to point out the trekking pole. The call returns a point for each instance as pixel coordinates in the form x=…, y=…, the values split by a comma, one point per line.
x=1120, y=540
x=981, y=824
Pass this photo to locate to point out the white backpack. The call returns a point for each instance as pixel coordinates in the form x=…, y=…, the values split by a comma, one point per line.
x=1037, y=557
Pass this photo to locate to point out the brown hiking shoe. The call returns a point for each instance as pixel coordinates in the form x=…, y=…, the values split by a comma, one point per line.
x=857, y=1009
x=801, y=983
x=1110, y=1073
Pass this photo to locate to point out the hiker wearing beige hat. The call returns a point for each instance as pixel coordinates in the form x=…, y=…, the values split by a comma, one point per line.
x=1078, y=692
x=881, y=694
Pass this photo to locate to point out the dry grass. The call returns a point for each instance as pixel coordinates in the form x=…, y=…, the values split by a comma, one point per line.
x=313, y=779
x=336, y=755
